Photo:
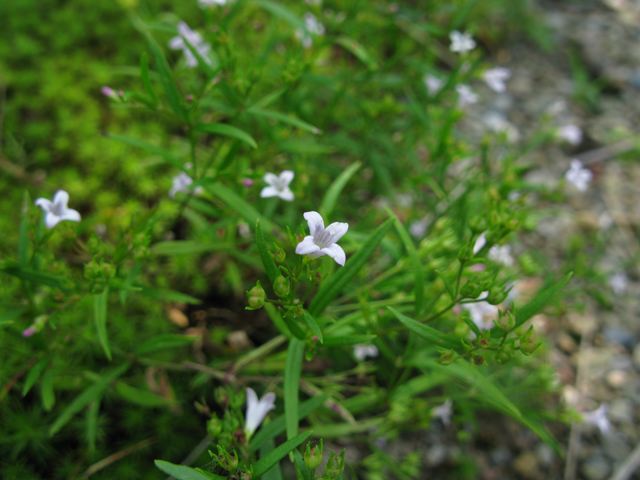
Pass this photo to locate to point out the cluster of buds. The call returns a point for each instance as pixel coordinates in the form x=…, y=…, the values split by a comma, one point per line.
x=98, y=272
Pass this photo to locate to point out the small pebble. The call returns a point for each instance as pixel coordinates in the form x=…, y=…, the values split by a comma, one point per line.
x=527, y=465
x=617, y=378
x=596, y=468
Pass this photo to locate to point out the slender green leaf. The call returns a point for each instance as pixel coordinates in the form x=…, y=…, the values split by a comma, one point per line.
x=281, y=117
x=164, y=342
x=227, y=130
x=358, y=51
x=149, y=147
x=7, y=318
x=263, y=465
x=91, y=394
x=292, y=371
x=333, y=192
x=539, y=301
x=277, y=10
x=34, y=374
x=430, y=334
x=188, y=247
x=166, y=295
x=278, y=425
x=92, y=423
x=204, y=63
x=239, y=205
x=447, y=285
x=302, y=468
x=333, y=286
x=275, y=473
x=141, y=397
x=277, y=320
x=100, y=303
x=144, y=73
x=418, y=277
x=340, y=340
x=37, y=277
x=182, y=472
x=266, y=256
x=46, y=391
x=312, y=324
x=23, y=241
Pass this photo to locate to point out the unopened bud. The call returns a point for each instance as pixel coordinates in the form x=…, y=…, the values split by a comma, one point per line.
x=478, y=360
x=497, y=295
x=214, y=426
x=281, y=286
x=334, y=467
x=318, y=277
x=477, y=224
x=313, y=457
x=247, y=182
x=505, y=354
x=471, y=290
x=256, y=297
x=447, y=358
x=528, y=342
x=279, y=256
x=505, y=322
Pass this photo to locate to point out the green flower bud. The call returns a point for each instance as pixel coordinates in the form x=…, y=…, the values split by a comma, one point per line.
x=256, y=297
x=497, y=295
x=313, y=457
x=505, y=354
x=465, y=253
x=279, y=256
x=477, y=224
x=214, y=426
x=471, y=290
x=478, y=360
x=447, y=357
x=527, y=342
x=505, y=322
x=334, y=467
x=281, y=286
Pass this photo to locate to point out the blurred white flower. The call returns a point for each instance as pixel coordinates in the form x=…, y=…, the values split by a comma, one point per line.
x=461, y=42
x=323, y=241
x=618, y=283
x=465, y=95
x=578, y=175
x=479, y=310
x=433, y=83
x=57, y=211
x=313, y=26
x=501, y=254
x=495, y=78
x=196, y=41
x=182, y=182
x=571, y=133
x=497, y=122
x=605, y=221
x=598, y=418
x=443, y=412
x=209, y=3
x=419, y=228
x=363, y=351
x=480, y=242
x=257, y=410
x=278, y=185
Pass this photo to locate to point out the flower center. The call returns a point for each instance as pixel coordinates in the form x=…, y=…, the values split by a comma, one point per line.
x=57, y=209
x=322, y=237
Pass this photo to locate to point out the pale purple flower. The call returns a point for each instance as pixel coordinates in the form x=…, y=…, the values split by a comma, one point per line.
x=465, y=95
x=363, y=351
x=618, y=283
x=29, y=332
x=247, y=182
x=57, y=211
x=443, y=412
x=598, y=418
x=480, y=242
x=461, y=42
x=313, y=27
x=278, y=185
x=257, y=410
x=210, y=3
x=109, y=92
x=181, y=183
x=495, y=78
x=196, y=41
x=323, y=241
x=501, y=254
x=479, y=310
x=433, y=83
x=578, y=175
x=571, y=133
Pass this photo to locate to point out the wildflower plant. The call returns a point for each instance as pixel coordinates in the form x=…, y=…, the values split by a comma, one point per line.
x=403, y=324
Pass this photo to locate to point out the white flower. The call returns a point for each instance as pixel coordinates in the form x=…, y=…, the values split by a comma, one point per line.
x=278, y=185
x=57, y=210
x=598, y=418
x=419, y=228
x=618, y=283
x=363, y=351
x=313, y=26
x=501, y=255
x=465, y=95
x=443, y=412
x=257, y=410
x=578, y=175
x=323, y=241
x=181, y=183
x=479, y=310
x=571, y=133
x=433, y=83
x=480, y=242
x=196, y=41
x=496, y=77
x=461, y=42
x=209, y=3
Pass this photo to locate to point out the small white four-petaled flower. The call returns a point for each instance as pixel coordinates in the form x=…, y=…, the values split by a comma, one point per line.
x=313, y=26
x=363, y=351
x=479, y=310
x=433, y=83
x=501, y=254
x=209, y=3
x=278, y=185
x=57, y=211
x=443, y=412
x=196, y=41
x=578, y=175
x=571, y=133
x=461, y=42
x=598, y=418
x=257, y=410
x=465, y=95
x=182, y=182
x=495, y=78
x=323, y=241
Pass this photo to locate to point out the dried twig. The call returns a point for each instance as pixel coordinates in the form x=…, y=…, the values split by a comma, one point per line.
x=117, y=456
x=629, y=466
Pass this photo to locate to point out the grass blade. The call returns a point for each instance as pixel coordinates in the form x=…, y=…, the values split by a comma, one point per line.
x=292, y=371
x=430, y=334
x=342, y=340
x=164, y=342
x=144, y=73
x=149, y=147
x=539, y=301
x=34, y=374
x=100, y=303
x=239, y=205
x=266, y=256
x=227, y=130
x=418, y=277
x=263, y=465
x=182, y=472
x=333, y=192
x=281, y=117
x=312, y=324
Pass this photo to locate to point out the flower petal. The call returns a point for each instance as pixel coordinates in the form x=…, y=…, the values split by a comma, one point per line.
x=336, y=252
x=306, y=246
x=337, y=231
x=285, y=194
x=270, y=178
x=269, y=192
x=61, y=198
x=51, y=220
x=70, y=214
x=315, y=222
x=44, y=203
x=176, y=43
x=286, y=177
